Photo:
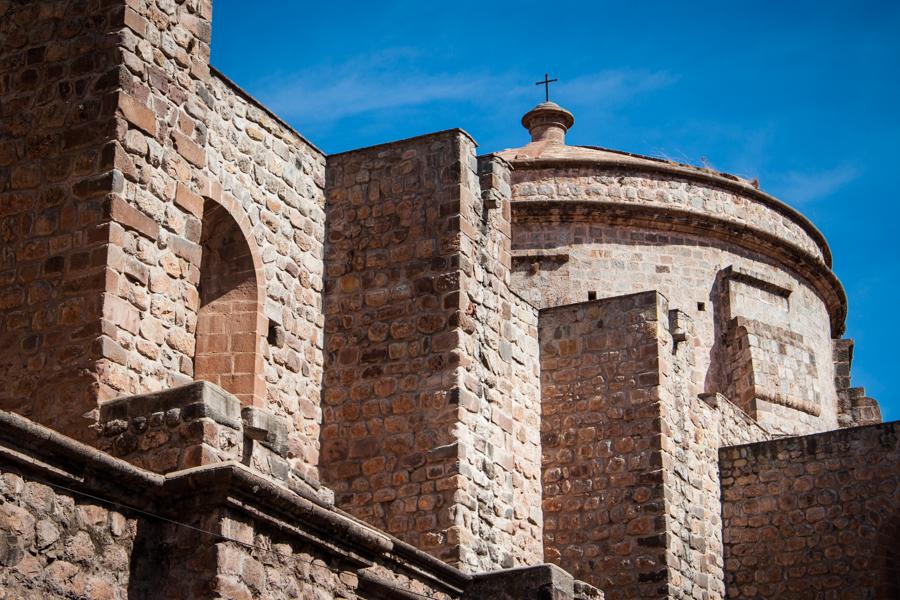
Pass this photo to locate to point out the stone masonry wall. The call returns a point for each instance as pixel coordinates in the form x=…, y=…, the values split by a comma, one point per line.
x=815, y=516
x=106, y=230
x=604, y=504
x=770, y=368
x=391, y=356
x=58, y=75
x=500, y=399
x=431, y=385
x=562, y=260
x=664, y=191
x=189, y=138
x=56, y=545
x=631, y=488
x=75, y=523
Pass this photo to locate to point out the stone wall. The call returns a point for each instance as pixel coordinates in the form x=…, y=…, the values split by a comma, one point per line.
x=770, y=368
x=500, y=397
x=570, y=257
x=631, y=488
x=75, y=523
x=431, y=385
x=392, y=371
x=665, y=191
x=604, y=504
x=169, y=166
x=58, y=76
x=59, y=545
x=815, y=516
x=194, y=144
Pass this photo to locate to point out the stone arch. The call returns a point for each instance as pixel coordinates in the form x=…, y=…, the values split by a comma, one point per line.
x=231, y=322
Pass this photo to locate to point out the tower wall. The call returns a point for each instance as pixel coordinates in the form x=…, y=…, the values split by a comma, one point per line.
x=137, y=137
x=59, y=72
x=431, y=388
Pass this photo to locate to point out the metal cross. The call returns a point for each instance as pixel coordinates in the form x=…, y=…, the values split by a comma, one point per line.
x=546, y=83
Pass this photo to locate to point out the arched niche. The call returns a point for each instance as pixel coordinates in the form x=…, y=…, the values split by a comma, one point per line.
x=230, y=321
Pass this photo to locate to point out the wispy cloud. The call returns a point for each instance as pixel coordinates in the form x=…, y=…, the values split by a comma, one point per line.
x=397, y=78
x=615, y=86
x=802, y=187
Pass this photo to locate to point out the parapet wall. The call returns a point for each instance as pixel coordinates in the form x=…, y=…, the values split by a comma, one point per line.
x=814, y=516
x=76, y=523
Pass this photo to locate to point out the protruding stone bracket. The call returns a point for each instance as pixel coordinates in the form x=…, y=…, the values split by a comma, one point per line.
x=193, y=425
x=493, y=178
x=266, y=428
x=187, y=402
x=540, y=582
x=679, y=325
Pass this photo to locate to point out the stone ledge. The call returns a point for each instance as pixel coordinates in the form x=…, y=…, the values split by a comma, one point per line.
x=192, y=401
x=540, y=582
x=86, y=470
x=818, y=443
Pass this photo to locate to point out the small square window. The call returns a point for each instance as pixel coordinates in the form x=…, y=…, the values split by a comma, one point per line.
x=592, y=295
x=701, y=306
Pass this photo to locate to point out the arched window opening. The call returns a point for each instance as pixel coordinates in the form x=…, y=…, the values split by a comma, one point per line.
x=228, y=334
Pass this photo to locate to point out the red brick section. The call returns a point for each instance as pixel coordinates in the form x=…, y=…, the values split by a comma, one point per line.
x=815, y=516
x=58, y=74
x=230, y=321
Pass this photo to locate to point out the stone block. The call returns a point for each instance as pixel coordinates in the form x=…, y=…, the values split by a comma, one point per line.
x=540, y=582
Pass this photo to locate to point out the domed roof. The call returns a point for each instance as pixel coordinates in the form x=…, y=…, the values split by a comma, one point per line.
x=548, y=124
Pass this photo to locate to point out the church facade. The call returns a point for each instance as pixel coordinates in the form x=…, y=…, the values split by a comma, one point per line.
x=233, y=366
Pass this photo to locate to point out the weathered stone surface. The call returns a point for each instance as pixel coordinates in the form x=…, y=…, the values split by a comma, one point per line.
x=813, y=516
x=161, y=227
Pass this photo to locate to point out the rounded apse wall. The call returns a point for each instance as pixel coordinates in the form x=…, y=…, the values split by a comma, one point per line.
x=752, y=273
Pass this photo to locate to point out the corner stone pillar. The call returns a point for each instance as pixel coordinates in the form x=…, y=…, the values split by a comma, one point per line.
x=431, y=391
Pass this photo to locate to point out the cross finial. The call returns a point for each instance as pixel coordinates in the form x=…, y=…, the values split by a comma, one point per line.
x=546, y=83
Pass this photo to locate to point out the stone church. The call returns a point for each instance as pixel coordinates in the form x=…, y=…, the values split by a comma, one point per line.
x=233, y=366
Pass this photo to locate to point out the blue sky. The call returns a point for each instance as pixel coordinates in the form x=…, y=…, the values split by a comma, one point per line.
x=804, y=96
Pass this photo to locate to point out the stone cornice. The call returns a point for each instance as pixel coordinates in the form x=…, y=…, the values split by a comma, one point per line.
x=661, y=218
x=60, y=460
x=649, y=165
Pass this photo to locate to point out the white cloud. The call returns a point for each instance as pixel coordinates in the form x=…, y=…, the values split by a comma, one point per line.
x=397, y=77
x=802, y=187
